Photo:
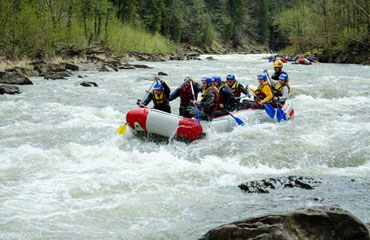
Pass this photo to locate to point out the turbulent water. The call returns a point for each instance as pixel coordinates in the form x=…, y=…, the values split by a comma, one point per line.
x=64, y=174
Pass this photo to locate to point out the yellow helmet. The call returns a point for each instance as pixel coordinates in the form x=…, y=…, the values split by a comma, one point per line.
x=278, y=63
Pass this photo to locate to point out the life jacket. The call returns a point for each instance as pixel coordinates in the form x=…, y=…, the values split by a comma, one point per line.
x=235, y=89
x=259, y=93
x=186, y=96
x=278, y=87
x=160, y=99
x=204, y=94
x=219, y=95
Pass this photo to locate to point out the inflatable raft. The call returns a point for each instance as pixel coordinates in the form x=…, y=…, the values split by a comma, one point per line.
x=302, y=60
x=146, y=120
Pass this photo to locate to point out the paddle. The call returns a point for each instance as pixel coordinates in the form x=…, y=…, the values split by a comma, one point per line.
x=268, y=108
x=237, y=120
x=122, y=129
x=196, y=109
x=280, y=115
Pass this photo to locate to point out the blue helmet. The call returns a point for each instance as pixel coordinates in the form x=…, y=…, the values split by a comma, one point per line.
x=216, y=79
x=158, y=86
x=262, y=76
x=207, y=79
x=230, y=76
x=283, y=77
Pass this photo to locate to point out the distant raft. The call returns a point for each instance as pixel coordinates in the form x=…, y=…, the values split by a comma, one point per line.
x=302, y=60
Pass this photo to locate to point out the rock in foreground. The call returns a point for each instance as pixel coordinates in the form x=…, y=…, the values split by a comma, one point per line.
x=320, y=223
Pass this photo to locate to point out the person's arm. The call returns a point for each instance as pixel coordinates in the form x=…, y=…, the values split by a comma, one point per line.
x=175, y=94
x=230, y=95
x=167, y=89
x=147, y=100
x=243, y=89
x=273, y=82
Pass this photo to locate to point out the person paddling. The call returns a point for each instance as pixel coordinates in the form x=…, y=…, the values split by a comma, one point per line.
x=186, y=96
x=235, y=87
x=226, y=99
x=278, y=68
x=263, y=94
x=159, y=95
x=208, y=104
x=281, y=89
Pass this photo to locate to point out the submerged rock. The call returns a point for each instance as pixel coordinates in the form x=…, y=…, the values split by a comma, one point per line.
x=162, y=74
x=7, y=89
x=88, y=84
x=141, y=66
x=14, y=78
x=318, y=223
x=265, y=185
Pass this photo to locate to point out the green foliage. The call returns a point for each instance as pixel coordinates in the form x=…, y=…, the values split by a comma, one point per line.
x=327, y=25
x=33, y=28
x=123, y=39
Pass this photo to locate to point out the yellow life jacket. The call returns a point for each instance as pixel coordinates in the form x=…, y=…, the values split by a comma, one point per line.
x=159, y=99
x=278, y=87
x=205, y=91
x=234, y=88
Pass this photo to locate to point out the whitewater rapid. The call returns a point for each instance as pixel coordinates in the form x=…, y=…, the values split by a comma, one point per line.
x=64, y=174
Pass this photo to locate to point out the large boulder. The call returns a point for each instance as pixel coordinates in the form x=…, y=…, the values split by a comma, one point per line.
x=14, y=78
x=57, y=75
x=23, y=71
x=7, y=89
x=318, y=223
x=45, y=69
x=70, y=66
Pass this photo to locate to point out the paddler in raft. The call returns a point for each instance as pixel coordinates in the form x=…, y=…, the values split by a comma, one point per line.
x=263, y=94
x=278, y=68
x=159, y=95
x=281, y=90
x=236, y=88
x=225, y=98
x=208, y=104
x=186, y=96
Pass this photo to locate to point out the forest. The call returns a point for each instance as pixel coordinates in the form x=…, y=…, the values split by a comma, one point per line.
x=337, y=30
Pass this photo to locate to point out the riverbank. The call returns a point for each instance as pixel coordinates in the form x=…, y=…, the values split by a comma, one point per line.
x=96, y=57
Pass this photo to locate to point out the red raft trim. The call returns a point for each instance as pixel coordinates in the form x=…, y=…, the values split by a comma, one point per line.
x=138, y=115
x=189, y=129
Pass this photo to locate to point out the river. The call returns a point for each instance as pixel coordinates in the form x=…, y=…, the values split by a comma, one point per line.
x=64, y=174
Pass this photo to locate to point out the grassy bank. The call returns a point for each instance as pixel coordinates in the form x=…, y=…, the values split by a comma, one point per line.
x=33, y=32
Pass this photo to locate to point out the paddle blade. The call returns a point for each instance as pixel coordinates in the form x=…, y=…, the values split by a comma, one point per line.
x=270, y=111
x=317, y=62
x=238, y=120
x=121, y=130
x=280, y=115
